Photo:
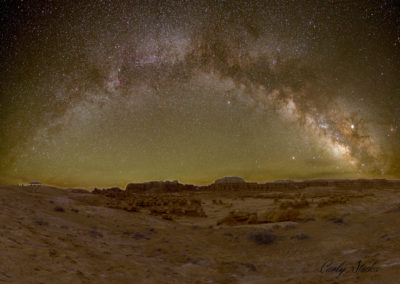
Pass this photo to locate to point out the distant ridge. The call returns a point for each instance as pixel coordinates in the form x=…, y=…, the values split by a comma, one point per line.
x=238, y=184
x=229, y=180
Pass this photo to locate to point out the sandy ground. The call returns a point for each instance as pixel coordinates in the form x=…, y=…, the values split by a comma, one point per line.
x=318, y=235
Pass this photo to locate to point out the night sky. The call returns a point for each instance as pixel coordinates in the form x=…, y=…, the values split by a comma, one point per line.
x=101, y=93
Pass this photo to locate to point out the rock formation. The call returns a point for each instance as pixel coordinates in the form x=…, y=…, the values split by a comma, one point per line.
x=230, y=180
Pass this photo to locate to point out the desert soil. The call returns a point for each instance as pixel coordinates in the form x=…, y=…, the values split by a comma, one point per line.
x=316, y=235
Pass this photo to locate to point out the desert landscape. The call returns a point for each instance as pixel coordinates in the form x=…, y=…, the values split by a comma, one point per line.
x=232, y=231
x=207, y=141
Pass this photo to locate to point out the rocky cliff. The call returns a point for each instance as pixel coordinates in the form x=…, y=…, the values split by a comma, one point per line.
x=238, y=184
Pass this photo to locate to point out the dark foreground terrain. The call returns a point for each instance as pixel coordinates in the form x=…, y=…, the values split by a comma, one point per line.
x=321, y=232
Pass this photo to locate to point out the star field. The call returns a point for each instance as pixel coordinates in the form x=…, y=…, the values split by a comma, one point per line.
x=99, y=93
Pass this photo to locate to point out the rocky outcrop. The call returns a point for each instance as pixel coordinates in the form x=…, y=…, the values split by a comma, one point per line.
x=238, y=217
x=238, y=184
x=287, y=185
x=230, y=180
x=109, y=192
x=158, y=186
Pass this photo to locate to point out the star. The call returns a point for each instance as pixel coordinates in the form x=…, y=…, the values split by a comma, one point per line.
x=103, y=95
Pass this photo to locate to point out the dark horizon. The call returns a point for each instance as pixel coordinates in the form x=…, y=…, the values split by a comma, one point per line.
x=279, y=181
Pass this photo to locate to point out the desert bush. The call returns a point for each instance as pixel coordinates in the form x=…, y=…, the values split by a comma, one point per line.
x=95, y=234
x=139, y=236
x=300, y=236
x=336, y=220
x=195, y=202
x=59, y=209
x=262, y=237
x=158, y=210
x=175, y=210
x=131, y=209
x=167, y=217
x=217, y=202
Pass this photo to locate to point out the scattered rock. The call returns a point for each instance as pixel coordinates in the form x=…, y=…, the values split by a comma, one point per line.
x=139, y=236
x=42, y=223
x=167, y=217
x=336, y=220
x=95, y=234
x=395, y=209
x=250, y=266
x=241, y=267
x=52, y=252
x=59, y=209
x=289, y=226
x=386, y=237
x=132, y=209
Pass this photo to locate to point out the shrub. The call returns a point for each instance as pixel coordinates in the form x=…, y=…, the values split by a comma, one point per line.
x=300, y=236
x=59, y=209
x=336, y=220
x=262, y=237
